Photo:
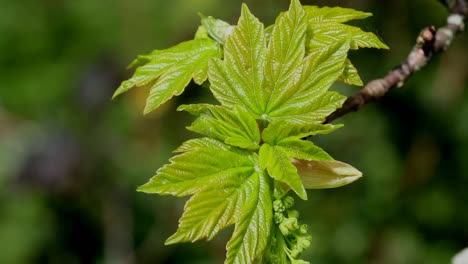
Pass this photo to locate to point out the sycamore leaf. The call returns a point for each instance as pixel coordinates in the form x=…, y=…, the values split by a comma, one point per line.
x=311, y=102
x=237, y=80
x=286, y=51
x=205, y=214
x=326, y=28
x=169, y=71
x=291, y=87
x=236, y=127
x=303, y=149
x=218, y=29
x=227, y=188
x=254, y=222
x=278, y=131
x=278, y=164
x=273, y=86
x=204, y=163
x=325, y=174
x=334, y=14
x=283, y=141
x=324, y=34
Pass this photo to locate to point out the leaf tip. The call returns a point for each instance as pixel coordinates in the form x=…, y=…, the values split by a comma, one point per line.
x=182, y=107
x=359, y=82
x=295, y=4
x=145, y=188
x=148, y=109
x=302, y=193
x=116, y=93
x=124, y=86
x=385, y=46
x=245, y=11
x=244, y=7
x=174, y=239
x=366, y=14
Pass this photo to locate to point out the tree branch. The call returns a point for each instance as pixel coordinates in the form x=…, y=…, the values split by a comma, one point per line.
x=428, y=43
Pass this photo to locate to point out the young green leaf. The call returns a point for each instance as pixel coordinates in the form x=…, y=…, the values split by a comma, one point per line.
x=322, y=36
x=273, y=88
x=203, y=164
x=278, y=164
x=311, y=103
x=302, y=149
x=236, y=127
x=227, y=189
x=334, y=14
x=283, y=141
x=278, y=131
x=326, y=28
x=288, y=138
x=286, y=51
x=253, y=223
x=218, y=29
x=237, y=80
x=169, y=71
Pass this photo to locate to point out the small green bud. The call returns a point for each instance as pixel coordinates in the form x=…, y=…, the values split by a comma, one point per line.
x=288, y=225
x=277, y=193
x=293, y=214
x=304, y=229
x=288, y=202
x=273, y=259
x=278, y=206
x=303, y=243
x=278, y=217
x=295, y=253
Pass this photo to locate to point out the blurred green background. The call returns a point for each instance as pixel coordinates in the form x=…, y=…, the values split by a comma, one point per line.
x=71, y=159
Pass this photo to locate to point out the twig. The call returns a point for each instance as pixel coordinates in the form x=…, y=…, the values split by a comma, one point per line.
x=429, y=42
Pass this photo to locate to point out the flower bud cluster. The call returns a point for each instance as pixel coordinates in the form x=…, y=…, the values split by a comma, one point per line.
x=292, y=238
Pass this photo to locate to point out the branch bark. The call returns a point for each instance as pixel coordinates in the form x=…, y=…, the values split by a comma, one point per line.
x=429, y=42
